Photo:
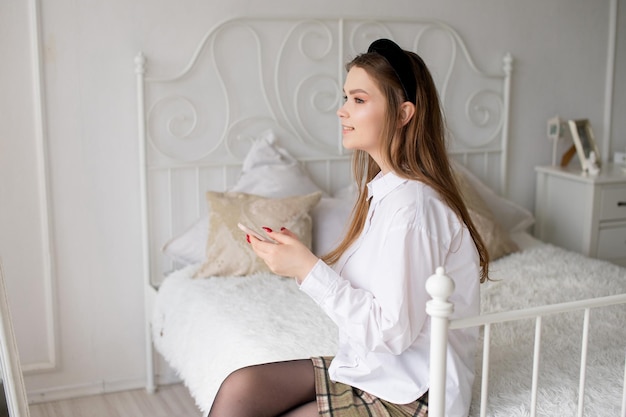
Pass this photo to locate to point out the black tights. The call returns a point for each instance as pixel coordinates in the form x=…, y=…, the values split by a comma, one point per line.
x=268, y=390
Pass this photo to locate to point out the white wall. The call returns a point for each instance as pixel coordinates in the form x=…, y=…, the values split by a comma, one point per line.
x=94, y=338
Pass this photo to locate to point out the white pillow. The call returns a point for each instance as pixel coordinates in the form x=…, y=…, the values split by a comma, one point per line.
x=189, y=247
x=270, y=171
x=330, y=219
x=512, y=217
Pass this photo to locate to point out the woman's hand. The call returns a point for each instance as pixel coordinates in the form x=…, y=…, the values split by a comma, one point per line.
x=289, y=257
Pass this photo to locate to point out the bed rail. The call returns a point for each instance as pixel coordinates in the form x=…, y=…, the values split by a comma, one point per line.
x=440, y=287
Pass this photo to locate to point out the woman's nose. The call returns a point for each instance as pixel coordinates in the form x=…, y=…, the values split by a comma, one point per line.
x=341, y=112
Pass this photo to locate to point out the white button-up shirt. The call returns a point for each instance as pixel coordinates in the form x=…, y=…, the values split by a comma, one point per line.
x=376, y=295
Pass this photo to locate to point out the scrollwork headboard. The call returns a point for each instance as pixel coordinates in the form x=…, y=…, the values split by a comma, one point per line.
x=248, y=75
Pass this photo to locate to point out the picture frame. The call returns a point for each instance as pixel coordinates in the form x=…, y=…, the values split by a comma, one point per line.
x=555, y=128
x=585, y=143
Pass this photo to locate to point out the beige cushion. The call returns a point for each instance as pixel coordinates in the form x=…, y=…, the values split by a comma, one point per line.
x=495, y=237
x=511, y=216
x=227, y=251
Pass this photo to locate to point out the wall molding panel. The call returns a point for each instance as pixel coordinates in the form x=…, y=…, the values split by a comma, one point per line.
x=39, y=110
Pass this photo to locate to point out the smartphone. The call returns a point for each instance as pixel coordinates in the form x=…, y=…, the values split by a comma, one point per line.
x=251, y=232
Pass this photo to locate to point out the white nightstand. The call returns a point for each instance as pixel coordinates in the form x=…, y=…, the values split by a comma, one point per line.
x=583, y=213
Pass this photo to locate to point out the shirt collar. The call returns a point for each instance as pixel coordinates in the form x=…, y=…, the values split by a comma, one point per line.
x=381, y=185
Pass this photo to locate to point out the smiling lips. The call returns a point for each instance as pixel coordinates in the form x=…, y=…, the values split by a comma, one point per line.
x=347, y=128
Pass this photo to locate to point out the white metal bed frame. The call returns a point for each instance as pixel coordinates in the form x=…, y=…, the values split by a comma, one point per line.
x=295, y=104
x=440, y=287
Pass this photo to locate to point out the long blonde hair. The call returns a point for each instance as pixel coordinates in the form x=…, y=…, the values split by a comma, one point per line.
x=415, y=151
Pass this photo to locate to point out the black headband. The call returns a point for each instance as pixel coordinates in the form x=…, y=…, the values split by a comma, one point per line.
x=400, y=62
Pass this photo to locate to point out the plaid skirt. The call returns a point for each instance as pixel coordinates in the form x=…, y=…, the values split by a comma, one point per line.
x=335, y=399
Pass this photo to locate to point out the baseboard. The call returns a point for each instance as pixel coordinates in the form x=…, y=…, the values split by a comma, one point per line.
x=95, y=388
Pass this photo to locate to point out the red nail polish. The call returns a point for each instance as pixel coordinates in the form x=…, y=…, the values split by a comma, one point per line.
x=248, y=238
x=282, y=229
x=267, y=229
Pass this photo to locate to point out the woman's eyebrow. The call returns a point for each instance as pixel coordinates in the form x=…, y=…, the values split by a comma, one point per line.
x=357, y=90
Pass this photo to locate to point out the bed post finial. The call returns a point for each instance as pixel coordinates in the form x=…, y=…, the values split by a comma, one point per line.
x=439, y=286
x=140, y=63
x=507, y=63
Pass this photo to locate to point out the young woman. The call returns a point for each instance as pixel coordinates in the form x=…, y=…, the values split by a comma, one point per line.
x=408, y=220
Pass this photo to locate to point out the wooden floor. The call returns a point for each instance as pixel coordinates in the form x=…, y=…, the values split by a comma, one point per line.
x=168, y=401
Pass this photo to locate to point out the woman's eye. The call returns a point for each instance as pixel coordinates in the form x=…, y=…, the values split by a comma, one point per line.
x=356, y=99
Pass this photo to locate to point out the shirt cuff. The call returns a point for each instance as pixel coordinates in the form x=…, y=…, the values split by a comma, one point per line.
x=319, y=282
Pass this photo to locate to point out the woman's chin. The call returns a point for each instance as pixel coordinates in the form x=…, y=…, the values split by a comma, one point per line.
x=347, y=143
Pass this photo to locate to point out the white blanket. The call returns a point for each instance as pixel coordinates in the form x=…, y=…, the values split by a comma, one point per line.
x=207, y=328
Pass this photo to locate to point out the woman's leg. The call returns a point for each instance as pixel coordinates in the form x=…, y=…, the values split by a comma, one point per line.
x=307, y=410
x=271, y=389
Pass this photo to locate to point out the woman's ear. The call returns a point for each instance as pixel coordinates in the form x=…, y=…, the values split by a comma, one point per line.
x=407, y=110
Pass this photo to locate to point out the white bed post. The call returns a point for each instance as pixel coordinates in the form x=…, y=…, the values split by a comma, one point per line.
x=507, y=67
x=439, y=286
x=140, y=70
